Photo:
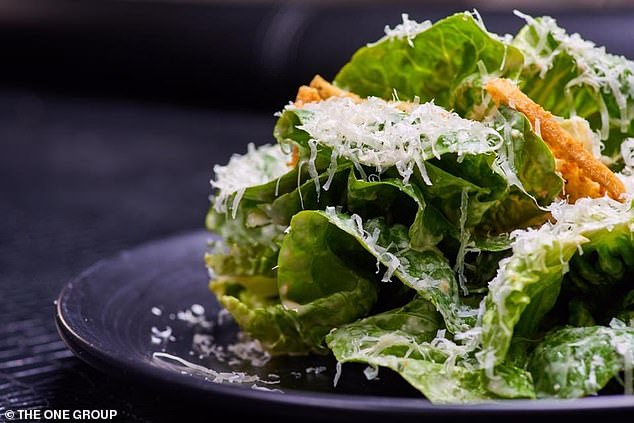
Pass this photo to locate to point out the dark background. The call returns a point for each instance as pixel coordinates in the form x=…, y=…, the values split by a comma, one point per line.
x=112, y=115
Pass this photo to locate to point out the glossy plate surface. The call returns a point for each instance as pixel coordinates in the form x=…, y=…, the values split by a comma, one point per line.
x=110, y=313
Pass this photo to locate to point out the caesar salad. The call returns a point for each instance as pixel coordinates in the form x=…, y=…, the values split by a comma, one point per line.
x=455, y=206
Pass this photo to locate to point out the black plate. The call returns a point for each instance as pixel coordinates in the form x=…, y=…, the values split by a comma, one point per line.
x=105, y=316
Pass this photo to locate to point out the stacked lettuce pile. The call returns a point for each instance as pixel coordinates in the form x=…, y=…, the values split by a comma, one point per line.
x=436, y=243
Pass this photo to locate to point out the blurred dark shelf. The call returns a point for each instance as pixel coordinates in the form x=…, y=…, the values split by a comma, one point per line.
x=234, y=54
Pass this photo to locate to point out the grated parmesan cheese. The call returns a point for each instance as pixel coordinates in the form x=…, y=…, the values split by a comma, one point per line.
x=316, y=370
x=627, y=151
x=624, y=348
x=195, y=316
x=627, y=174
x=159, y=337
x=465, y=237
x=377, y=133
x=337, y=374
x=168, y=360
x=571, y=221
x=371, y=372
x=223, y=316
x=604, y=72
x=264, y=388
x=245, y=351
x=258, y=166
x=409, y=29
x=248, y=350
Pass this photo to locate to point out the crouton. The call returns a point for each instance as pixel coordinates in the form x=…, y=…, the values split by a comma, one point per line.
x=585, y=175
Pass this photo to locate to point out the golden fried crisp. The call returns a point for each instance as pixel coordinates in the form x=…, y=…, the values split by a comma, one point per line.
x=294, y=157
x=306, y=95
x=584, y=174
x=327, y=90
x=320, y=89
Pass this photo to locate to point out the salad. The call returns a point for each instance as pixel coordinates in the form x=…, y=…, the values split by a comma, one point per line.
x=455, y=206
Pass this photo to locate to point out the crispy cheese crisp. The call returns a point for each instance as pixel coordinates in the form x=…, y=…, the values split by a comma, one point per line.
x=584, y=174
x=320, y=89
x=306, y=94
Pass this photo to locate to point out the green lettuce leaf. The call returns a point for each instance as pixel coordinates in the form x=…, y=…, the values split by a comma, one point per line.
x=570, y=76
x=310, y=197
x=427, y=272
x=400, y=203
x=625, y=310
x=531, y=170
x=311, y=255
x=247, y=252
x=317, y=259
x=597, y=284
x=324, y=279
x=437, y=192
x=528, y=283
x=473, y=176
x=302, y=330
x=575, y=362
x=445, y=63
x=401, y=340
x=502, y=183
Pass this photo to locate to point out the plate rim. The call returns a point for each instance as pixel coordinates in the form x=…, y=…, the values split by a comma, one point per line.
x=94, y=357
